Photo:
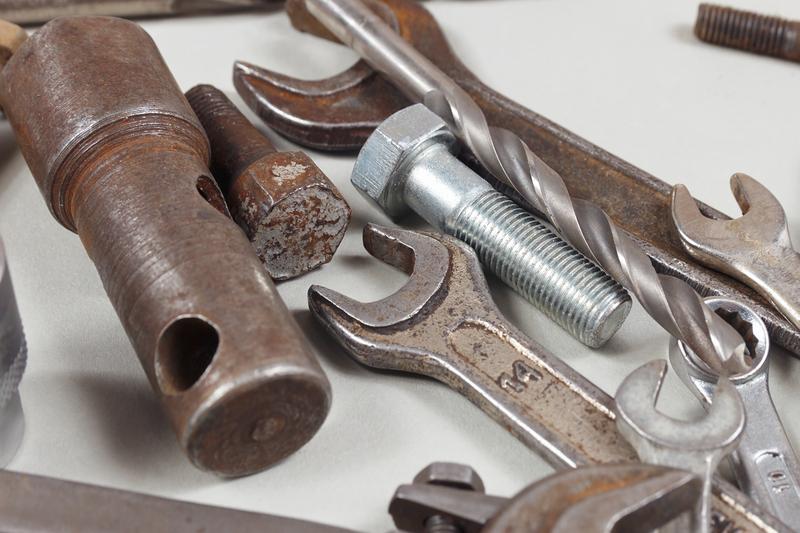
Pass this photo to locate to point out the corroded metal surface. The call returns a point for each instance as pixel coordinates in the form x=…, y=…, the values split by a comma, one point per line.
x=37, y=11
x=37, y=504
x=339, y=114
x=294, y=216
x=748, y=31
x=121, y=159
x=444, y=324
x=599, y=499
x=630, y=497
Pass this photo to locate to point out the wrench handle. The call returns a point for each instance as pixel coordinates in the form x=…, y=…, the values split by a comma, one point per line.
x=765, y=464
x=545, y=403
x=779, y=282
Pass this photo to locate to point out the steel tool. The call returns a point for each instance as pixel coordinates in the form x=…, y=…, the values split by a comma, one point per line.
x=121, y=159
x=293, y=215
x=341, y=112
x=697, y=446
x=670, y=301
x=40, y=504
x=38, y=11
x=629, y=497
x=13, y=358
x=754, y=248
x=765, y=465
x=408, y=164
x=444, y=324
x=745, y=30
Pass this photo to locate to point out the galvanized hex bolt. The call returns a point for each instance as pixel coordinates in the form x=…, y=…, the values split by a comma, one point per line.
x=408, y=162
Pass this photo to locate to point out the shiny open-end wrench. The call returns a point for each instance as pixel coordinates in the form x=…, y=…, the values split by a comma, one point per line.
x=630, y=497
x=444, y=324
x=341, y=112
x=765, y=464
x=697, y=446
x=754, y=248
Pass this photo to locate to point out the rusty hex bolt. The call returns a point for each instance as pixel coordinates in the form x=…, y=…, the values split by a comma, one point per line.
x=752, y=32
x=121, y=159
x=293, y=215
x=455, y=476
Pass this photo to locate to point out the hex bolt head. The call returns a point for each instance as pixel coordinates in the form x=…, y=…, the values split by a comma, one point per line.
x=453, y=475
x=394, y=146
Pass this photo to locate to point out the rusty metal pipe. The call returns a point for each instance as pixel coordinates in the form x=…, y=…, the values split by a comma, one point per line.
x=121, y=159
x=293, y=215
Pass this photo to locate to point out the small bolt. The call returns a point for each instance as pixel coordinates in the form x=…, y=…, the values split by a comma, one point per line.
x=408, y=163
x=745, y=30
x=453, y=475
x=293, y=215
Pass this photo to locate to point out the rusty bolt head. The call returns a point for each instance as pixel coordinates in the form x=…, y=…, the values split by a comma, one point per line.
x=453, y=475
x=293, y=215
x=381, y=166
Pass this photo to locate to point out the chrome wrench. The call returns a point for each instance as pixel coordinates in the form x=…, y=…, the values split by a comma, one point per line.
x=765, y=464
x=697, y=446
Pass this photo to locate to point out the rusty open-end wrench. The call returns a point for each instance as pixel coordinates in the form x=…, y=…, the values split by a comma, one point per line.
x=444, y=324
x=754, y=248
x=339, y=113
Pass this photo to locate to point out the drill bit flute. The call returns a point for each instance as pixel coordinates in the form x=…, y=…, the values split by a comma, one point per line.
x=683, y=314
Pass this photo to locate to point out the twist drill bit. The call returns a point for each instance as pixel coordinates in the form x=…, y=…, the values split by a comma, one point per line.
x=670, y=301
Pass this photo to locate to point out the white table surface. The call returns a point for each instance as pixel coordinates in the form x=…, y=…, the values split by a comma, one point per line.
x=625, y=74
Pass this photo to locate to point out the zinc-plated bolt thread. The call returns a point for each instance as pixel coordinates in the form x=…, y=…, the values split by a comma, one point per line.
x=548, y=272
x=745, y=30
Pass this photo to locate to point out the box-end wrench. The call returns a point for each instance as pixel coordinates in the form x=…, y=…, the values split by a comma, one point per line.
x=765, y=464
x=630, y=497
x=444, y=324
x=40, y=504
x=697, y=446
x=342, y=111
x=755, y=248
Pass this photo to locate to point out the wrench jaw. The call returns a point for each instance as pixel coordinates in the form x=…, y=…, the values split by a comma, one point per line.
x=378, y=334
x=701, y=379
x=724, y=243
x=755, y=248
x=697, y=446
x=327, y=114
